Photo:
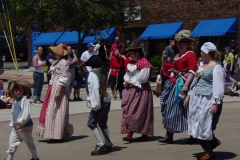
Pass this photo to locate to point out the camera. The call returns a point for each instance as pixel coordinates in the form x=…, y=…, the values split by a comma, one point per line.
x=182, y=96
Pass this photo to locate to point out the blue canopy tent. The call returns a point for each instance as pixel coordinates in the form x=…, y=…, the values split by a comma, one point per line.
x=215, y=27
x=161, y=31
x=47, y=38
x=69, y=38
x=107, y=33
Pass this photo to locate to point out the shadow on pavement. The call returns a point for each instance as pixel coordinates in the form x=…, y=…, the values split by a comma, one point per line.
x=72, y=138
x=150, y=138
x=185, y=141
x=219, y=155
x=118, y=148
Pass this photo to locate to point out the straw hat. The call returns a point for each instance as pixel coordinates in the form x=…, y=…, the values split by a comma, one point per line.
x=25, y=84
x=60, y=49
x=183, y=36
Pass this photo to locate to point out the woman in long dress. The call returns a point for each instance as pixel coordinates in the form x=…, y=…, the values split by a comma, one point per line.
x=174, y=115
x=137, y=100
x=205, y=100
x=54, y=117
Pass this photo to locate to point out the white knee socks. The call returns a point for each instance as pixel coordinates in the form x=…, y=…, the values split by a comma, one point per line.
x=98, y=137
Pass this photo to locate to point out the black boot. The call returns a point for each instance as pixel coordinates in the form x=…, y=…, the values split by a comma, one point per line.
x=100, y=150
x=143, y=138
x=192, y=140
x=214, y=142
x=167, y=139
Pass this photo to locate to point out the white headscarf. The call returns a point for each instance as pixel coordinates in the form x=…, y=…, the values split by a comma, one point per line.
x=207, y=47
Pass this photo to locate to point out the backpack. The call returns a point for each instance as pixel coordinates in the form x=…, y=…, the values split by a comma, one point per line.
x=79, y=74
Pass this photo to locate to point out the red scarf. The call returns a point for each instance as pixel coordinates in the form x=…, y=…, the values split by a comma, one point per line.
x=143, y=63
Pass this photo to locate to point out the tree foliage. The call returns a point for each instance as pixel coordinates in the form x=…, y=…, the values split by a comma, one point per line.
x=80, y=15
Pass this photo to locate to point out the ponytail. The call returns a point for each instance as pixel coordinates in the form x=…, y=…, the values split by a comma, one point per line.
x=216, y=56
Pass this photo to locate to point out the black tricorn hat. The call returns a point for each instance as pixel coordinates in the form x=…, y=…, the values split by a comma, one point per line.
x=96, y=61
x=135, y=45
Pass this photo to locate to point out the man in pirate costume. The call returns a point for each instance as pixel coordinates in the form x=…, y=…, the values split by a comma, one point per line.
x=100, y=102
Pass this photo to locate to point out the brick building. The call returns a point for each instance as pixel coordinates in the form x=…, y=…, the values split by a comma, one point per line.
x=190, y=12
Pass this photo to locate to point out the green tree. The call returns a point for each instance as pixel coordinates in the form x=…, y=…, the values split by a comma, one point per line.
x=79, y=15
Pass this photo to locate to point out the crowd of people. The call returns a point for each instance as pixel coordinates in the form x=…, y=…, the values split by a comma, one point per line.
x=184, y=87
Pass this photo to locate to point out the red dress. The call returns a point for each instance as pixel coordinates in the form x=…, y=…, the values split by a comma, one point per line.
x=186, y=63
x=166, y=67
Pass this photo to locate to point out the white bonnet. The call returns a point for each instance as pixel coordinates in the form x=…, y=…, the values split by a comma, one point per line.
x=207, y=47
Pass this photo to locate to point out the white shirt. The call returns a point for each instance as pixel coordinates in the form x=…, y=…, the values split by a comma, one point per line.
x=39, y=69
x=94, y=96
x=85, y=56
x=137, y=76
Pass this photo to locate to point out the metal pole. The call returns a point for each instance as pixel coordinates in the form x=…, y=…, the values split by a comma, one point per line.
x=15, y=14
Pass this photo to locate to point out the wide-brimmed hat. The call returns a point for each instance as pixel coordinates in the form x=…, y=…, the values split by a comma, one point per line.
x=25, y=84
x=96, y=61
x=60, y=49
x=183, y=36
x=135, y=45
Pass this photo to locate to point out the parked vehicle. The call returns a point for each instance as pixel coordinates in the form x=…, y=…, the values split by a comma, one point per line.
x=20, y=44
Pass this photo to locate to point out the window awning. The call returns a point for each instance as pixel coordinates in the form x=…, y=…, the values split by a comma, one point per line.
x=47, y=38
x=107, y=33
x=161, y=31
x=215, y=27
x=69, y=38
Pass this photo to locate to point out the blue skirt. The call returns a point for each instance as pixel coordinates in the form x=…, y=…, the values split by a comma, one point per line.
x=174, y=116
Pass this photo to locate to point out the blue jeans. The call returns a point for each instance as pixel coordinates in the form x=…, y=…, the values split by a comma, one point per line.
x=38, y=85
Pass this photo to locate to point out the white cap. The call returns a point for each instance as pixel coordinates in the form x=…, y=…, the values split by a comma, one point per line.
x=207, y=47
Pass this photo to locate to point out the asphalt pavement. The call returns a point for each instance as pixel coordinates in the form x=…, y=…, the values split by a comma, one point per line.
x=80, y=145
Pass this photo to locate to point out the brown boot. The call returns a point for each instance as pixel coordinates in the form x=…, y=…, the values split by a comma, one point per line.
x=207, y=156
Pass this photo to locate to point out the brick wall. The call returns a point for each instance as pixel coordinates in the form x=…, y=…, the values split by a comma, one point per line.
x=190, y=12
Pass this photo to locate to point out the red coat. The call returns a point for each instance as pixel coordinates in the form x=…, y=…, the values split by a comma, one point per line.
x=115, y=64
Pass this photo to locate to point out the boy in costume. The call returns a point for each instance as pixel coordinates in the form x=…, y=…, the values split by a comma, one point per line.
x=100, y=102
x=21, y=122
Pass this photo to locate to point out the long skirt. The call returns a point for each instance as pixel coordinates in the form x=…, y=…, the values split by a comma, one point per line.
x=202, y=123
x=137, y=105
x=174, y=116
x=56, y=125
x=41, y=120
